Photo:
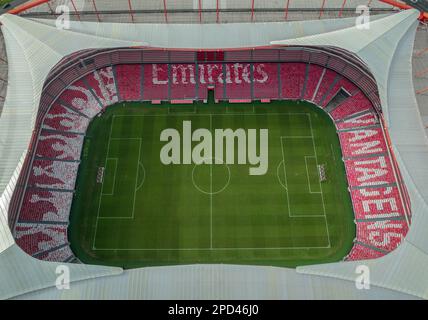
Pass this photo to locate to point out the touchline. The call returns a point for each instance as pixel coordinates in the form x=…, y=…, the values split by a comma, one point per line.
x=178, y=149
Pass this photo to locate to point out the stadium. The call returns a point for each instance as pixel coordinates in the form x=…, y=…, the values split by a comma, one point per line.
x=133, y=137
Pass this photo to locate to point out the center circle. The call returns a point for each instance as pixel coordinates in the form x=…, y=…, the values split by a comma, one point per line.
x=211, y=178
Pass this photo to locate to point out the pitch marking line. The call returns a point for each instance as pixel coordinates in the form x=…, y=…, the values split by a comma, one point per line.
x=212, y=114
x=114, y=178
x=102, y=186
x=136, y=178
x=322, y=194
x=211, y=249
x=135, y=187
x=184, y=113
x=286, y=188
x=321, y=191
x=211, y=192
x=141, y=165
x=228, y=108
x=307, y=174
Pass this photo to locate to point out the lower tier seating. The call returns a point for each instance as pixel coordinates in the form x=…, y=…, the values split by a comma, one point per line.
x=128, y=80
x=45, y=206
x=79, y=97
x=53, y=174
x=292, y=80
x=61, y=146
x=265, y=77
x=61, y=118
x=362, y=142
x=362, y=120
x=37, y=238
x=314, y=74
x=371, y=171
x=102, y=83
x=354, y=104
x=61, y=254
x=377, y=202
x=360, y=252
x=383, y=234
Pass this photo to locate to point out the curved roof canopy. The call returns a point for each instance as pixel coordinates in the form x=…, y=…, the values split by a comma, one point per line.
x=35, y=46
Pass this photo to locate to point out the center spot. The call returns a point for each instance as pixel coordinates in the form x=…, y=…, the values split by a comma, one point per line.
x=211, y=178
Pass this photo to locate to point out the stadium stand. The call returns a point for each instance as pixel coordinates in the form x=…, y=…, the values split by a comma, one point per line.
x=156, y=82
x=383, y=234
x=41, y=224
x=128, y=80
x=53, y=174
x=361, y=252
x=325, y=84
x=38, y=238
x=354, y=104
x=369, y=171
x=362, y=142
x=61, y=146
x=362, y=120
x=63, y=253
x=211, y=75
x=314, y=75
x=292, y=79
x=45, y=206
x=62, y=119
x=182, y=82
x=102, y=84
x=79, y=97
x=238, y=80
x=266, y=81
x=340, y=84
x=376, y=202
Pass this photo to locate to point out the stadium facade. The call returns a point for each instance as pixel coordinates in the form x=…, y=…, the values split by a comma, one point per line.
x=35, y=46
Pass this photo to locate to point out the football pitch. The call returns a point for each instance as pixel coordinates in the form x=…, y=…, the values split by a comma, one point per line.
x=132, y=210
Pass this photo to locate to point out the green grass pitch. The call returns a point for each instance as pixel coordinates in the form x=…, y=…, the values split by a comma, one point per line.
x=145, y=213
